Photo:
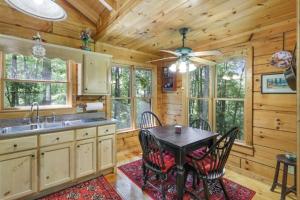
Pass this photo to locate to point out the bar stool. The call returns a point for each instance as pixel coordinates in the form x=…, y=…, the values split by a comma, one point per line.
x=281, y=158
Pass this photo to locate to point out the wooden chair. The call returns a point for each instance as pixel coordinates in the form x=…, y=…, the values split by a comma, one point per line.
x=155, y=160
x=211, y=165
x=201, y=124
x=149, y=120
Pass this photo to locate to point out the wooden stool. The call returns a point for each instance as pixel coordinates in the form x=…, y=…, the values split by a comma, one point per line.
x=286, y=163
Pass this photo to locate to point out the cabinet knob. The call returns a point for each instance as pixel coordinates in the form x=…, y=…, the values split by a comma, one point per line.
x=57, y=138
x=85, y=89
x=42, y=154
x=106, y=130
x=86, y=133
x=15, y=145
x=78, y=146
x=32, y=156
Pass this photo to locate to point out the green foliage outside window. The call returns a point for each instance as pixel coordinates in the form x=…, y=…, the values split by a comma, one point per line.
x=28, y=79
x=122, y=94
x=199, y=93
x=230, y=95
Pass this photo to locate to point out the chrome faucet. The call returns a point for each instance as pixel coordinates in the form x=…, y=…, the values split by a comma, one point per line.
x=37, y=112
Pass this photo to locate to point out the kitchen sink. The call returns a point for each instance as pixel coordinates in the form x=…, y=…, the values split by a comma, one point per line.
x=47, y=125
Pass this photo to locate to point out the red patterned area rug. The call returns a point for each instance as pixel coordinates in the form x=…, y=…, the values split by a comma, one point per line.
x=235, y=191
x=95, y=189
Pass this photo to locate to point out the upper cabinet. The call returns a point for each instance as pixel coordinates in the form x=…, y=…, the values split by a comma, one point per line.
x=96, y=74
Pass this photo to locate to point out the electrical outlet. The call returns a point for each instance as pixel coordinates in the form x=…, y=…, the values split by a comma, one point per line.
x=291, y=170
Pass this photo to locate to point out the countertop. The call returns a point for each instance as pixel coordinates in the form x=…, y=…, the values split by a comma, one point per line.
x=56, y=129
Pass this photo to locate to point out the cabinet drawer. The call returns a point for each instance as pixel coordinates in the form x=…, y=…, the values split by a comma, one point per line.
x=56, y=138
x=106, y=130
x=18, y=144
x=86, y=133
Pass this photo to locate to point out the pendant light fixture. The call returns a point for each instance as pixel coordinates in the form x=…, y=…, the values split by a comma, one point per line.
x=38, y=50
x=43, y=9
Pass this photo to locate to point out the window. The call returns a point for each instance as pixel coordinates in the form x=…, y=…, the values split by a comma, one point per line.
x=199, y=94
x=217, y=94
x=131, y=95
x=121, y=96
x=143, y=92
x=229, y=97
x=27, y=79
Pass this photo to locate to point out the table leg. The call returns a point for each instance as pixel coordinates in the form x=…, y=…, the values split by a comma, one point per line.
x=180, y=160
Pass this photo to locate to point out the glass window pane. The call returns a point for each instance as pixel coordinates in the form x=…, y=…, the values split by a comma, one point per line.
x=230, y=114
x=142, y=106
x=143, y=82
x=30, y=68
x=231, y=78
x=120, y=85
x=121, y=110
x=17, y=94
x=199, y=82
x=198, y=108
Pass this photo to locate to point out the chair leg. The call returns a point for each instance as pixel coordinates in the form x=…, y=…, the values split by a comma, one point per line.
x=284, y=182
x=194, y=179
x=223, y=188
x=206, y=191
x=145, y=176
x=163, y=189
x=275, y=181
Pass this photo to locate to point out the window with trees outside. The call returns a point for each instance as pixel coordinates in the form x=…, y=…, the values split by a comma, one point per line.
x=27, y=79
x=131, y=95
x=224, y=108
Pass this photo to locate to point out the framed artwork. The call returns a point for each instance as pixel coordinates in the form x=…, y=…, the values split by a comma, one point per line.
x=275, y=84
x=168, y=80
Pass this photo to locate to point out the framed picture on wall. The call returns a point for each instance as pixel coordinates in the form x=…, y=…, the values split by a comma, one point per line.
x=275, y=84
x=168, y=80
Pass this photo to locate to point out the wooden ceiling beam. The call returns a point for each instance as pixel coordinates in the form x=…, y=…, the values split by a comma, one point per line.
x=85, y=10
x=110, y=5
x=109, y=19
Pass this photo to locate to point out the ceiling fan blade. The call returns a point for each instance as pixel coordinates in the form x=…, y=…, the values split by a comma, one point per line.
x=202, y=61
x=171, y=52
x=161, y=59
x=206, y=53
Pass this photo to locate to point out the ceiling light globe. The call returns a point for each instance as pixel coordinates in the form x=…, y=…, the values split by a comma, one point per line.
x=172, y=68
x=192, y=67
x=182, y=67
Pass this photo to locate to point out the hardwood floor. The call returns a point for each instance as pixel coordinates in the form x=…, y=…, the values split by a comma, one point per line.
x=129, y=191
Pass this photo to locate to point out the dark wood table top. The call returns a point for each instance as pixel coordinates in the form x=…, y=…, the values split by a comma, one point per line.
x=187, y=137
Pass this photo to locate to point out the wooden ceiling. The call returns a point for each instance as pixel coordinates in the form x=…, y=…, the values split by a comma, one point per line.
x=150, y=25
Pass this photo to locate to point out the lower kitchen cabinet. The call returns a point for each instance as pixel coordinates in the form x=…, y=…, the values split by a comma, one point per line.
x=106, y=152
x=56, y=165
x=18, y=174
x=85, y=151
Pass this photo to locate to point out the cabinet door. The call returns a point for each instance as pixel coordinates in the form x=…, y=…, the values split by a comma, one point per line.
x=106, y=152
x=85, y=157
x=96, y=74
x=56, y=165
x=18, y=173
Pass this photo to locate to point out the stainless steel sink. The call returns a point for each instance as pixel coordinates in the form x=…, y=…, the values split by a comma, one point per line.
x=47, y=125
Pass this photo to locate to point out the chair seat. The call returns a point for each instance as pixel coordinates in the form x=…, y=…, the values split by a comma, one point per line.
x=197, y=153
x=206, y=164
x=169, y=161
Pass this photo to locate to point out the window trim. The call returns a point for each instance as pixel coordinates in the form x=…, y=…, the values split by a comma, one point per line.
x=133, y=114
x=248, y=99
x=69, y=83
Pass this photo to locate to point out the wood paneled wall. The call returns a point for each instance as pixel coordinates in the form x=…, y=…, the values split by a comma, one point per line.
x=274, y=115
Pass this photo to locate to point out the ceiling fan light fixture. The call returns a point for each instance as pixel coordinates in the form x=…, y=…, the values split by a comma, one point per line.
x=42, y=9
x=192, y=67
x=173, y=67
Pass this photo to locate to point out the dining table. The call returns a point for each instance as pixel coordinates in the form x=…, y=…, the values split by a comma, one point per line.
x=180, y=144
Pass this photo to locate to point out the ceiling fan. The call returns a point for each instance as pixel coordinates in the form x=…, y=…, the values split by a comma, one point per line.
x=185, y=56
